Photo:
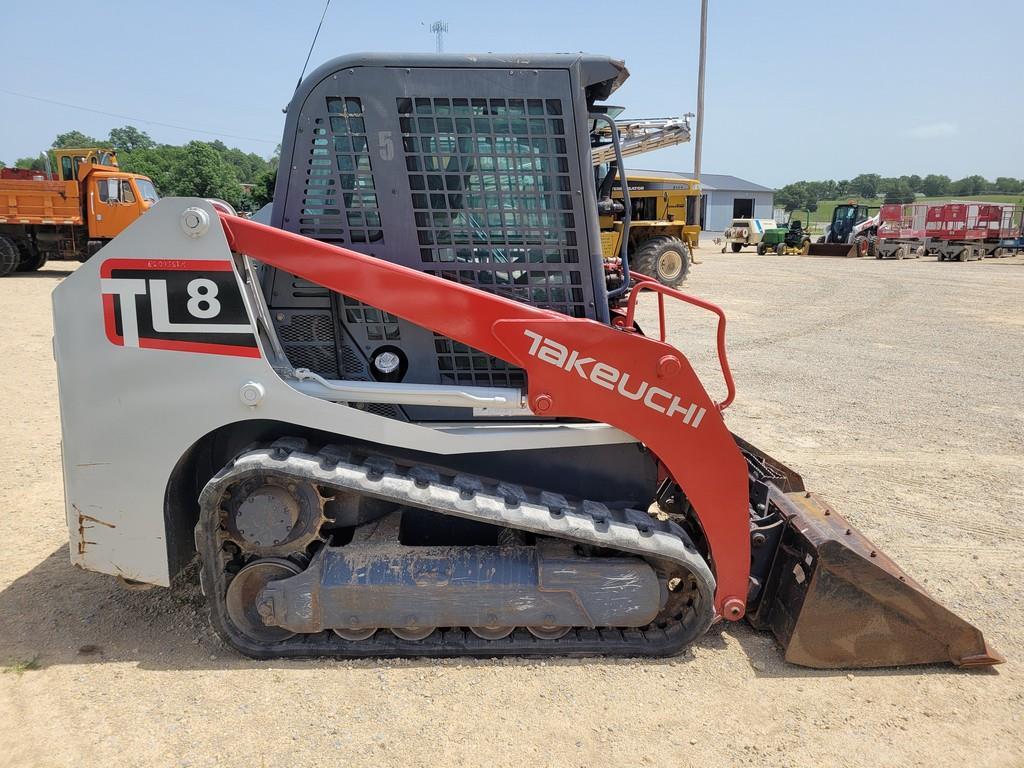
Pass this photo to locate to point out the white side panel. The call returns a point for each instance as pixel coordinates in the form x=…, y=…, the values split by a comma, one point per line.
x=128, y=414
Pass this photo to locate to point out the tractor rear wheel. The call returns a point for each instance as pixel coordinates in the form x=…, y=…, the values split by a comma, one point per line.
x=9, y=255
x=667, y=259
x=805, y=246
x=737, y=247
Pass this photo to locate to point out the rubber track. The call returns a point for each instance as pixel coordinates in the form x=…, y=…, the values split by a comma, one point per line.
x=470, y=497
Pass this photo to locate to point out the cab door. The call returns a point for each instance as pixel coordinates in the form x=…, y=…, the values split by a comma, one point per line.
x=112, y=206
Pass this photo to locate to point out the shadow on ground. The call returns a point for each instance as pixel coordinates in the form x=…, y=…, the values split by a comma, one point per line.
x=51, y=273
x=57, y=614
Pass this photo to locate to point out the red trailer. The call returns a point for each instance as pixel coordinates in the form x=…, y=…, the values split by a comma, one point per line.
x=1010, y=238
x=959, y=231
x=901, y=231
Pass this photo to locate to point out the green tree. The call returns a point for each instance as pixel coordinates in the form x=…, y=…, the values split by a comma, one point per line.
x=1008, y=185
x=791, y=196
x=935, y=185
x=75, y=140
x=31, y=163
x=865, y=185
x=970, y=185
x=263, y=189
x=156, y=163
x=200, y=171
x=899, y=192
x=130, y=139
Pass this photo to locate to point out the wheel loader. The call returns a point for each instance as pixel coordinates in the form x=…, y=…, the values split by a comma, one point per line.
x=410, y=418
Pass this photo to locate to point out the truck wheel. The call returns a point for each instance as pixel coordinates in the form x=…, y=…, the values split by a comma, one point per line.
x=31, y=258
x=9, y=256
x=667, y=259
x=737, y=247
x=762, y=249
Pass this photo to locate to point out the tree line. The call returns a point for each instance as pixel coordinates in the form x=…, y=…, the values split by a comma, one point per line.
x=196, y=169
x=805, y=195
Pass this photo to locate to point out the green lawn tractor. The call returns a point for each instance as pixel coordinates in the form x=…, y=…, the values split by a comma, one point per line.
x=792, y=238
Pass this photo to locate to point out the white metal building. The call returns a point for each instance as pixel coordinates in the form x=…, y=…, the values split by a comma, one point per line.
x=724, y=198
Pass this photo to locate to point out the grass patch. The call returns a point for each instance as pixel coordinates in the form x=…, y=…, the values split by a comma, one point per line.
x=21, y=667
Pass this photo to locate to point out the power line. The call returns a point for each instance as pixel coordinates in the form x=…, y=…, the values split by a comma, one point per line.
x=135, y=119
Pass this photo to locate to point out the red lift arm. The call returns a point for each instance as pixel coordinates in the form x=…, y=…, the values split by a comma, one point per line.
x=575, y=368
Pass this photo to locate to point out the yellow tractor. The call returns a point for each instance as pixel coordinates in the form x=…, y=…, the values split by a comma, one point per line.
x=661, y=242
x=659, y=214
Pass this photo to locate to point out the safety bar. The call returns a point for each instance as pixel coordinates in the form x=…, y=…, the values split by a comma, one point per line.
x=645, y=283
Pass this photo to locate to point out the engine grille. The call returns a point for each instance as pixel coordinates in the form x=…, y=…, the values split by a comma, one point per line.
x=308, y=338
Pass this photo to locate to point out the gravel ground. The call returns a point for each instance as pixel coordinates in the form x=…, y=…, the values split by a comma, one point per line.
x=894, y=387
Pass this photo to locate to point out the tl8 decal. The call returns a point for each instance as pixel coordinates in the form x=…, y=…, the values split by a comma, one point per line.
x=187, y=306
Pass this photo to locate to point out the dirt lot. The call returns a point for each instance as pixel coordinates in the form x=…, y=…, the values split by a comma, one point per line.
x=895, y=387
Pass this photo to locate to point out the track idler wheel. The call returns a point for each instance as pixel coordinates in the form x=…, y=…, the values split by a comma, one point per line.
x=243, y=598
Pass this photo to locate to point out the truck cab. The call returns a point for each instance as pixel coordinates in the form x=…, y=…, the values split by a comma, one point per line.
x=112, y=198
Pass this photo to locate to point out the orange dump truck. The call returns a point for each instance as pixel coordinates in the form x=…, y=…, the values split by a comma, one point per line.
x=70, y=216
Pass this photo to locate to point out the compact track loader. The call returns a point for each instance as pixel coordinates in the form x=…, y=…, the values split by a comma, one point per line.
x=410, y=418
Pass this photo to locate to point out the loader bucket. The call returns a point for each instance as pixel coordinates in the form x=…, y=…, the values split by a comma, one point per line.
x=846, y=250
x=833, y=600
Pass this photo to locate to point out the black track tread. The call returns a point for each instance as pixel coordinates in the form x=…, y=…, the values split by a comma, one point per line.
x=662, y=541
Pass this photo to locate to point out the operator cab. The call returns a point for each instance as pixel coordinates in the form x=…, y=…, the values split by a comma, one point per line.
x=70, y=161
x=844, y=218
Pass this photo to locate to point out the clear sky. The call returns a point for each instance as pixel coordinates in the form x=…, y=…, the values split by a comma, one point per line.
x=795, y=90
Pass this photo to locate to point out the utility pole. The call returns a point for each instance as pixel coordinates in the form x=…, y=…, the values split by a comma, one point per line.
x=698, y=144
x=439, y=28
